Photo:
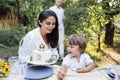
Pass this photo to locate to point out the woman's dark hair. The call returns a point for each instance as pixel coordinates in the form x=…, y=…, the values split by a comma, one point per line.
x=53, y=36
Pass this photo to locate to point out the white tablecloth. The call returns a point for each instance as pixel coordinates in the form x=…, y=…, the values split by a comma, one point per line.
x=96, y=74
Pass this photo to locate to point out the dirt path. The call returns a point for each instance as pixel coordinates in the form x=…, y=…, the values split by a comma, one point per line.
x=112, y=56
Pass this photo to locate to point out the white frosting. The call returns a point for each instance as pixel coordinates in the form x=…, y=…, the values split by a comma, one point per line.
x=40, y=56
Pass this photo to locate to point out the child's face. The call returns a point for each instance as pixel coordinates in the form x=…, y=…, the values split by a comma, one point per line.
x=73, y=50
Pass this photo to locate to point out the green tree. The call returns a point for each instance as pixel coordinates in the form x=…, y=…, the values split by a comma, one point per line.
x=84, y=17
x=110, y=8
x=89, y=16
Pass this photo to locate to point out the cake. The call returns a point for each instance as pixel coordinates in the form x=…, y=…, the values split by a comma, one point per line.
x=41, y=55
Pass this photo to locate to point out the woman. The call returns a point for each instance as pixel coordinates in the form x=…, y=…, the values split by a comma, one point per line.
x=46, y=33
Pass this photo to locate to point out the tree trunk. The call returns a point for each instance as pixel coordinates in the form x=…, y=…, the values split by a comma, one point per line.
x=99, y=48
x=99, y=35
x=109, y=33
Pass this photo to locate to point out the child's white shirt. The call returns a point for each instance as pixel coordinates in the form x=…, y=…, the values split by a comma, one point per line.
x=74, y=64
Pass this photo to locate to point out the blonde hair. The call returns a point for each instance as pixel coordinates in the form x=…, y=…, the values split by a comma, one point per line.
x=79, y=40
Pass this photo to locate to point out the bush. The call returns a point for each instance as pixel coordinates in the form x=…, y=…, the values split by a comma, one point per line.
x=4, y=35
x=11, y=37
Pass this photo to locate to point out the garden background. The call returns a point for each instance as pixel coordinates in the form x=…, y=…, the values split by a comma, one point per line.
x=92, y=18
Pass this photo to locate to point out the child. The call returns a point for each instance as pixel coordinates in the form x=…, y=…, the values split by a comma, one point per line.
x=76, y=59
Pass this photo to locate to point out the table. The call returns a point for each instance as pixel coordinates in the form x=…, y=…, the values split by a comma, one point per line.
x=96, y=74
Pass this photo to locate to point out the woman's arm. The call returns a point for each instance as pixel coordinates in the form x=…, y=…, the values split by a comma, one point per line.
x=89, y=68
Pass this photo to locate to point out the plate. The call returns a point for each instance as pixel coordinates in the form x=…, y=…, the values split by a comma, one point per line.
x=113, y=71
x=110, y=72
x=40, y=64
x=38, y=72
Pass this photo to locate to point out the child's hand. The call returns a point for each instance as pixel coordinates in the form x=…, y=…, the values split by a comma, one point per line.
x=89, y=68
x=80, y=70
x=61, y=75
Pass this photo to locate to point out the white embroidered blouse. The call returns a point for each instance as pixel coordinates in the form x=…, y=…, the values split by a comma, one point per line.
x=32, y=41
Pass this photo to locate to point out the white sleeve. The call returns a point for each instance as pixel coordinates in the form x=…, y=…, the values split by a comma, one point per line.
x=26, y=48
x=88, y=60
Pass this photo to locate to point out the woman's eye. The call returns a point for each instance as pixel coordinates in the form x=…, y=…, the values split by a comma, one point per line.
x=53, y=23
x=48, y=23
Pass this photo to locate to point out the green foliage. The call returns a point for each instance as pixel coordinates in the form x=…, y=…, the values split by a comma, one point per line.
x=4, y=35
x=96, y=64
x=96, y=56
x=3, y=46
x=110, y=8
x=92, y=50
x=8, y=52
x=49, y=4
x=32, y=9
x=80, y=19
x=8, y=3
x=89, y=17
x=17, y=34
x=11, y=37
x=117, y=37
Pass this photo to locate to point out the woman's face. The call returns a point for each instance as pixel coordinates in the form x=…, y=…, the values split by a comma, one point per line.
x=48, y=24
x=73, y=50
